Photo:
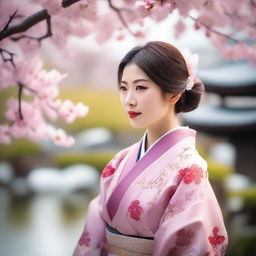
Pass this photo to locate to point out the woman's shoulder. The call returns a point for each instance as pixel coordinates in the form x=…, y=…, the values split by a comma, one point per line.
x=190, y=156
x=113, y=164
x=199, y=159
x=123, y=152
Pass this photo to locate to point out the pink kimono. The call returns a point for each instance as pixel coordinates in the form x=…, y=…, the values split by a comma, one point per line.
x=165, y=195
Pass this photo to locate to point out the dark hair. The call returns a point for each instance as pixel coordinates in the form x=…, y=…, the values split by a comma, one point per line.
x=164, y=65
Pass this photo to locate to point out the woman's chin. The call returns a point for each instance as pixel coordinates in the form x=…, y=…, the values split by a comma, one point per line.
x=137, y=125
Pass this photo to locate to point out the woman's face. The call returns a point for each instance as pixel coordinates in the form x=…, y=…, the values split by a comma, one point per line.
x=143, y=101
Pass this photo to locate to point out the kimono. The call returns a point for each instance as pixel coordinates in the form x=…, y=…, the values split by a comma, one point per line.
x=165, y=195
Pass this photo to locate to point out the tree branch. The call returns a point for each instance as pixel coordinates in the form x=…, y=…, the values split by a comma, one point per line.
x=213, y=30
x=21, y=88
x=7, y=56
x=39, y=39
x=25, y=24
x=67, y=3
x=30, y=22
x=11, y=17
x=19, y=98
x=118, y=12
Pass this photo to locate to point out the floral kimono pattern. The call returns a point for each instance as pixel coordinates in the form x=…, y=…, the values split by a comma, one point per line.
x=166, y=195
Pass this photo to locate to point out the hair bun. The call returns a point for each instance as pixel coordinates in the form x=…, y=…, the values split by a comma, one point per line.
x=190, y=99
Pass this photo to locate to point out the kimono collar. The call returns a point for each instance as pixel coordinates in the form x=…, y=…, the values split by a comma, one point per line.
x=143, y=150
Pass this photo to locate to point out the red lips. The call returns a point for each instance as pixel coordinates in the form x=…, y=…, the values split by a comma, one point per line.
x=133, y=114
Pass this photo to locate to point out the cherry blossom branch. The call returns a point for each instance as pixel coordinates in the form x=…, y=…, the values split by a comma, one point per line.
x=19, y=98
x=213, y=30
x=7, y=56
x=30, y=22
x=11, y=17
x=67, y=3
x=39, y=39
x=34, y=92
x=21, y=88
x=29, y=89
x=25, y=24
x=118, y=12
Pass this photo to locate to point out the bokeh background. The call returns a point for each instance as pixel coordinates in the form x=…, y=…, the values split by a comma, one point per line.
x=45, y=189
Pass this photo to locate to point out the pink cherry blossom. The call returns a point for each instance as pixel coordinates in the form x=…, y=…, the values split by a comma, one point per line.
x=81, y=109
x=160, y=12
x=105, y=27
x=60, y=138
x=69, y=111
x=52, y=6
x=179, y=28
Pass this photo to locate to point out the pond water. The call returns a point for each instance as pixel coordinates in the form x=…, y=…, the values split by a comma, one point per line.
x=41, y=224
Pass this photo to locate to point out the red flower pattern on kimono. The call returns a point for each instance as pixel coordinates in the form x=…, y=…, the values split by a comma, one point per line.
x=194, y=173
x=135, y=210
x=216, y=239
x=174, y=252
x=108, y=171
x=84, y=239
x=184, y=238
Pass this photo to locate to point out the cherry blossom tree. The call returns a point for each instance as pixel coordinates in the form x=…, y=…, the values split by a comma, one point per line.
x=26, y=25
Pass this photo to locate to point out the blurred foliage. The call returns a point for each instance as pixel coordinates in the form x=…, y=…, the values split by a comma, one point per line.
x=19, y=147
x=5, y=94
x=243, y=245
x=104, y=109
x=217, y=171
x=97, y=160
x=248, y=195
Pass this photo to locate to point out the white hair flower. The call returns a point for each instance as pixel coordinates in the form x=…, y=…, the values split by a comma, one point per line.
x=191, y=62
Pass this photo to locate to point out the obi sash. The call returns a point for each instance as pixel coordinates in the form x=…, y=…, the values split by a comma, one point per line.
x=127, y=245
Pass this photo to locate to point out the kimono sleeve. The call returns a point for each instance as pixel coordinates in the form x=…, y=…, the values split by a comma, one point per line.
x=93, y=235
x=192, y=223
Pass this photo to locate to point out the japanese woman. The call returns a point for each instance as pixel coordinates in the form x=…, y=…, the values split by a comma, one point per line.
x=155, y=197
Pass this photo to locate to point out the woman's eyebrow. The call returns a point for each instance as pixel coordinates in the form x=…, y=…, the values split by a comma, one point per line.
x=140, y=80
x=136, y=81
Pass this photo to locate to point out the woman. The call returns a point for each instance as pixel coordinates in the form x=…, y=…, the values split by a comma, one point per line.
x=155, y=197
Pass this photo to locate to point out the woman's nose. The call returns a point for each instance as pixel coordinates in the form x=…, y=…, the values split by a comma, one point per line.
x=130, y=99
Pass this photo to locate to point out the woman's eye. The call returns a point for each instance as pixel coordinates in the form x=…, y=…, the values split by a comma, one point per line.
x=140, y=87
x=122, y=88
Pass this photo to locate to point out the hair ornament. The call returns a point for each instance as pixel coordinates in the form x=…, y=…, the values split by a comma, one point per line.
x=191, y=63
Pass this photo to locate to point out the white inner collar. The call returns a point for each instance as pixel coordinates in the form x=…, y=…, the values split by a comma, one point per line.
x=144, y=140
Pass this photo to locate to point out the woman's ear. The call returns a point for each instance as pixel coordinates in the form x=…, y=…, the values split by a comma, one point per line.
x=173, y=98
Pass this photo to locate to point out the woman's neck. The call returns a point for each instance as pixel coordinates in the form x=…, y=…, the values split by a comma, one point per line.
x=154, y=133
